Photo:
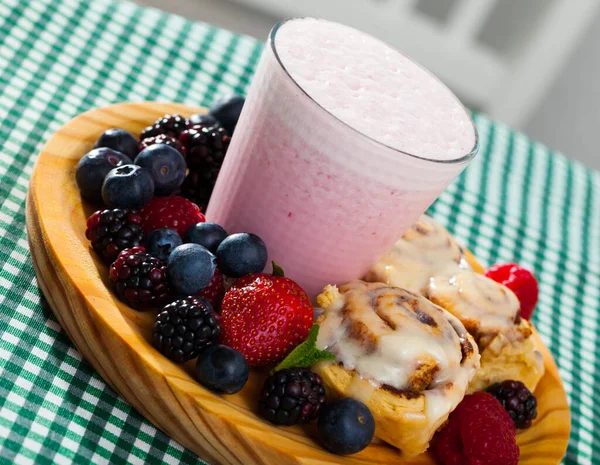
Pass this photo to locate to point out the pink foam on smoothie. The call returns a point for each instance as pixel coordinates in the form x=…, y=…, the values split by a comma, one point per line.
x=375, y=89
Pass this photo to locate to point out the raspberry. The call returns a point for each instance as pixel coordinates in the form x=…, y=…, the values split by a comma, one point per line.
x=170, y=212
x=520, y=281
x=478, y=432
x=171, y=125
x=215, y=291
x=162, y=139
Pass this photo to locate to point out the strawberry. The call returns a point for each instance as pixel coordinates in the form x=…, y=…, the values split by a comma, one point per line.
x=170, y=212
x=215, y=291
x=265, y=317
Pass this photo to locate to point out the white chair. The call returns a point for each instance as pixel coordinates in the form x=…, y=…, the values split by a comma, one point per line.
x=505, y=82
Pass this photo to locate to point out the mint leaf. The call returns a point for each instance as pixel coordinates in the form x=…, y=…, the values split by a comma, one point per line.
x=277, y=270
x=306, y=354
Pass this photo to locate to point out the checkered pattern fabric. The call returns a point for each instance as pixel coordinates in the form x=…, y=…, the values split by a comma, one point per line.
x=518, y=201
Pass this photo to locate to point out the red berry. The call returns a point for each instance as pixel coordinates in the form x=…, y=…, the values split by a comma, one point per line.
x=264, y=317
x=162, y=139
x=170, y=212
x=139, y=279
x=111, y=231
x=478, y=432
x=520, y=281
x=93, y=221
x=215, y=291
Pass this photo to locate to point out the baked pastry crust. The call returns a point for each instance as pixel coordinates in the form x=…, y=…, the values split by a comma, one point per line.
x=407, y=359
x=489, y=310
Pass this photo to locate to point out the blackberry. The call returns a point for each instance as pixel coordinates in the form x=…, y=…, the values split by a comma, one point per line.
x=171, y=125
x=112, y=231
x=205, y=147
x=162, y=139
x=518, y=401
x=292, y=396
x=198, y=187
x=184, y=328
x=140, y=280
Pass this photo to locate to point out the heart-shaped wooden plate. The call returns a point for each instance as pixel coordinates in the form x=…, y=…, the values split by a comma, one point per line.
x=115, y=339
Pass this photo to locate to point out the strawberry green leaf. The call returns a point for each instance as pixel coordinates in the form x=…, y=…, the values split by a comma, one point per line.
x=277, y=270
x=306, y=354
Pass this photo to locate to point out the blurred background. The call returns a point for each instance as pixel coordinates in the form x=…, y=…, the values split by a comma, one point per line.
x=532, y=64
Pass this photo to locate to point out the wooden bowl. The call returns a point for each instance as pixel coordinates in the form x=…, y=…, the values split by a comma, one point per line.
x=115, y=339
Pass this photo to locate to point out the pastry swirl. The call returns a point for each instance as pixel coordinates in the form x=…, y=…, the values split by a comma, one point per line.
x=409, y=360
x=485, y=307
x=425, y=250
x=429, y=261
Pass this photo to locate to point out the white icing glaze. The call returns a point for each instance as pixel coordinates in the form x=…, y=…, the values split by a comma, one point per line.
x=393, y=337
x=425, y=250
x=473, y=297
x=429, y=261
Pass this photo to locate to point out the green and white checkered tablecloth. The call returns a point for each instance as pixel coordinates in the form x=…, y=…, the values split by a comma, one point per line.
x=518, y=201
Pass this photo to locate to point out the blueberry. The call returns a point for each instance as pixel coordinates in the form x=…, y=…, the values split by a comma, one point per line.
x=210, y=235
x=241, y=254
x=161, y=242
x=190, y=268
x=227, y=111
x=128, y=186
x=167, y=166
x=204, y=119
x=222, y=369
x=119, y=140
x=93, y=168
x=346, y=426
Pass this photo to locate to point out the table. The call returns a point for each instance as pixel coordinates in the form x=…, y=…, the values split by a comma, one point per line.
x=518, y=201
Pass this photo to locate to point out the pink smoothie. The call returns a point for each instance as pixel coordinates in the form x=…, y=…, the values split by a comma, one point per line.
x=343, y=142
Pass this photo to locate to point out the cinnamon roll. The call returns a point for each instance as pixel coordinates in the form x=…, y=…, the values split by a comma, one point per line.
x=490, y=312
x=426, y=249
x=429, y=261
x=407, y=359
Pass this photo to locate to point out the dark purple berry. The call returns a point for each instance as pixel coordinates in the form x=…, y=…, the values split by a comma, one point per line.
x=161, y=242
x=202, y=119
x=166, y=165
x=346, y=426
x=209, y=235
x=140, y=280
x=93, y=168
x=112, y=231
x=291, y=396
x=191, y=268
x=205, y=147
x=119, y=140
x=184, y=328
x=128, y=186
x=162, y=139
x=518, y=401
x=198, y=187
x=227, y=110
x=171, y=125
x=241, y=254
x=222, y=369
